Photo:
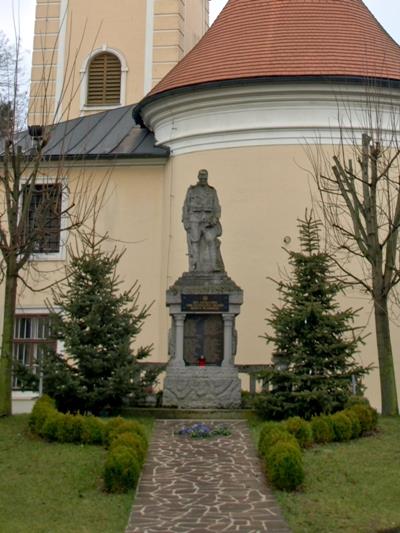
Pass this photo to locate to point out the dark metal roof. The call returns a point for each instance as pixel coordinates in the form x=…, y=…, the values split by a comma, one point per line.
x=107, y=135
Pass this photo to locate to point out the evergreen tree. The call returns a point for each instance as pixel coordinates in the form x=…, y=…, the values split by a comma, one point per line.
x=315, y=342
x=97, y=325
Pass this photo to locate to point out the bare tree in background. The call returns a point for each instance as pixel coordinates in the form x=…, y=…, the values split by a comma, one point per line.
x=39, y=205
x=359, y=191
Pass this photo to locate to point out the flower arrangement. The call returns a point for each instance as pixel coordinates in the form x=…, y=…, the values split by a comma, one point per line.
x=203, y=431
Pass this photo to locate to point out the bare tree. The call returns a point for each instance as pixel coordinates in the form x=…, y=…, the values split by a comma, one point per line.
x=359, y=191
x=37, y=210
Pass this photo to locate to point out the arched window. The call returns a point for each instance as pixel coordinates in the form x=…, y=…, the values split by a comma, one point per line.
x=104, y=80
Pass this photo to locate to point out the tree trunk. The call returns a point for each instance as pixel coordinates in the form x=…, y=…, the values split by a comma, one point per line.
x=385, y=355
x=7, y=343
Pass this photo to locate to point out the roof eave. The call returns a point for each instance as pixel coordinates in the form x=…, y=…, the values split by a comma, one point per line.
x=358, y=80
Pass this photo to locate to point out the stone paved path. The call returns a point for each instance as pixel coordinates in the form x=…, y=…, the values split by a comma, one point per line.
x=202, y=486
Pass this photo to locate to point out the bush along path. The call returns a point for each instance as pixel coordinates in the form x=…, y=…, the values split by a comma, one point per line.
x=125, y=440
x=280, y=443
x=203, y=477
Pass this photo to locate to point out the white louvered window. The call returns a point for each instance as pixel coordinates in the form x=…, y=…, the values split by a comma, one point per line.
x=104, y=80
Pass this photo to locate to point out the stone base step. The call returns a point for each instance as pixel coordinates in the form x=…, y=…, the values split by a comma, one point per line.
x=164, y=413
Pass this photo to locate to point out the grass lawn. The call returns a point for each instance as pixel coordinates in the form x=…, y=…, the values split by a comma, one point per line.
x=352, y=487
x=54, y=488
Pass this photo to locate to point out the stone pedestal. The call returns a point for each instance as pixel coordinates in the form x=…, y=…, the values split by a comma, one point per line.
x=203, y=308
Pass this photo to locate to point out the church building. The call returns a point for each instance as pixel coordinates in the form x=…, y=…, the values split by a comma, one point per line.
x=143, y=94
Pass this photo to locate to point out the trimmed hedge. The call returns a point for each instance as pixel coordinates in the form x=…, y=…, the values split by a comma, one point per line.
x=126, y=439
x=132, y=442
x=322, y=429
x=284, y=464
x=282, y=454
x=367, y=416
x=121, y=469
x=270, y=434
x=280, y=443
x=355, y=423
x=301, y=429
x=342, y=427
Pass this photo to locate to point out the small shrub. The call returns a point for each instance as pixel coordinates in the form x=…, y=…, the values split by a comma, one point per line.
x=284, y=464
x=50, y=428
x=127, y=426
x=276, y=436
x=355, y=423
x=301, y=429
x=93, y=430
x=41, y=410
x=111, y=426
x=367, y=416
x=121, y=470
x=357, y=400
x=70, y=428
x=322, y=429
x=342, y=427
x=265, y=431
x=132, y=441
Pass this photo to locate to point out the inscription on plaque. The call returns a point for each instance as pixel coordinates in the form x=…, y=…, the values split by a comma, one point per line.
x=200, y=303
x=203, y=335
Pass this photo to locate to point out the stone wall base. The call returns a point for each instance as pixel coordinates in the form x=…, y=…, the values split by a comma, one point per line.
x=202, y=388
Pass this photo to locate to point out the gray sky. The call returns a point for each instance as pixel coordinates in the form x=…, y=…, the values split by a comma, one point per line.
x=386, y=11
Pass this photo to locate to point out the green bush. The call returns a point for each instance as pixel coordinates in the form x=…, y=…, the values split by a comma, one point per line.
x=132, y=441
x=355, y=423
x=50, y=428
x=121, y=470
x=301, y=429
x=43, y=407
x=93, y=430
x=356, y=400
x=70, y=428
x=342, y=427
x=111, y=426
x=367, y=416
x=322, y=429
x=284, y=465
x=268, y=433
x=126, y=426
x=127, y=440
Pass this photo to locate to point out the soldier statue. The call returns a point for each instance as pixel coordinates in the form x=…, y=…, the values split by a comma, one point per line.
x=200, y=217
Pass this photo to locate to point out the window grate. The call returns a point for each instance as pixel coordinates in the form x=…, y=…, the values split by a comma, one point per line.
x=43, y=223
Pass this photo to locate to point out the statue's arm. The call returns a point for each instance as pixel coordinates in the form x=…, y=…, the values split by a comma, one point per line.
x=185, y=210
x=217, y=207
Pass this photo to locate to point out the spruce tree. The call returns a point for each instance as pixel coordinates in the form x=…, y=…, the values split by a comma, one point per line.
x=97, y=324
x=314, y=341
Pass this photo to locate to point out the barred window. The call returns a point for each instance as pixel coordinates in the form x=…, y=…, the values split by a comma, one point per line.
x=104, y=80
x=44, y=217
x=31, y=341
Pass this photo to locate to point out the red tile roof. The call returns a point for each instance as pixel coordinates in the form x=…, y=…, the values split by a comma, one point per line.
x=280, y=38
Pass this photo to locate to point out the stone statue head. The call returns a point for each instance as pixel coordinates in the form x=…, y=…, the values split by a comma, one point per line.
x=203, y=176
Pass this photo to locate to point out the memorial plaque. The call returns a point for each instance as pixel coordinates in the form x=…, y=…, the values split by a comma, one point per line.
x=200, y=303
x=203, y=335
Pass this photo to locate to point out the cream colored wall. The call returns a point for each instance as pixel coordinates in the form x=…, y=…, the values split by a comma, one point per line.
x=131, y=215
x=94, y=25
x=262, y=191
x=196, y=22
x=178, y=26
x=44, y=61
x=63, y=44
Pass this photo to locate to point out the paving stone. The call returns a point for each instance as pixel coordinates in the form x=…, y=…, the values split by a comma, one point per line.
x=203, y=486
